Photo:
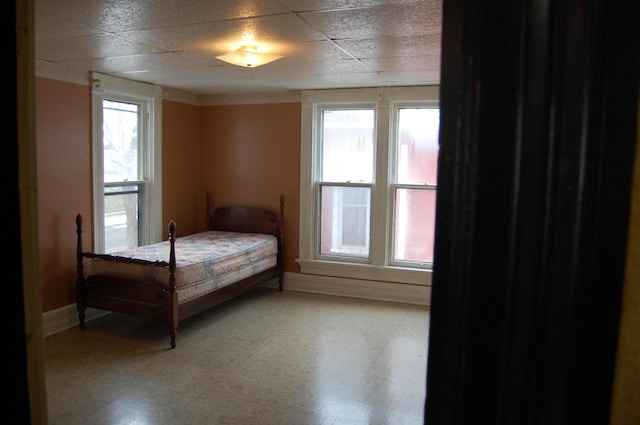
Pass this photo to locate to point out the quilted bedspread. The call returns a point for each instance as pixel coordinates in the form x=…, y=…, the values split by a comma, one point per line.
x=205, y=261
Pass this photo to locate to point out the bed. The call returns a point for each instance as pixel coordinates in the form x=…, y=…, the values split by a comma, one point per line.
x=182, y=276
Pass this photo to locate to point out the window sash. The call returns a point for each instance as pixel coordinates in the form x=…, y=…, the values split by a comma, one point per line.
x=344, y=226
x=123, y=131
x=124, y=215
x=347, y=144
x=413, y=223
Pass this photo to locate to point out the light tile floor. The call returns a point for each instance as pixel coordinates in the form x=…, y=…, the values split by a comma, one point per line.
x=266, y=358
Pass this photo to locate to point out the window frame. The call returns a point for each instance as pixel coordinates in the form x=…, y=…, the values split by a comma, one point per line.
x=149, y=98
x=384, y=101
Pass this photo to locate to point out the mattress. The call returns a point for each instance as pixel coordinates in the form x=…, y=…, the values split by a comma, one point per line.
x=205, y=261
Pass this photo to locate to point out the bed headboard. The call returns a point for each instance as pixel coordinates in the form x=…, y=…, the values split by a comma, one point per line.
x=246, y=219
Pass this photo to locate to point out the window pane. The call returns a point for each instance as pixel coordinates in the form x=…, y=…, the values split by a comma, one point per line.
x=120, y=141
x=347, y=145
x=120, y=218
x=415, y=212
x=417, y=154
x=344, y=221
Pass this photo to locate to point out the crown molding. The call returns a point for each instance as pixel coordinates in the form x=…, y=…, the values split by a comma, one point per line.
x=62, y=73
x=292, y=96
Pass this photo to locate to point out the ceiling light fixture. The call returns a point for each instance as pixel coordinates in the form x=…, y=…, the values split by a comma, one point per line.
x=248, y=56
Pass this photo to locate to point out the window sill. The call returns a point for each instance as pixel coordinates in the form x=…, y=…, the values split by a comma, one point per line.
x=366, y=271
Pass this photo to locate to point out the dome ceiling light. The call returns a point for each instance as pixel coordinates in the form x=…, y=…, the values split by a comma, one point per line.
x=248, y=56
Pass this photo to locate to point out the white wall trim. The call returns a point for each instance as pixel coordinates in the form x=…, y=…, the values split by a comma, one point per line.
x=61, y=73
x=180, y=96
x=67, y=317
x=358, y=288
x=291, y=96
x=57, y=72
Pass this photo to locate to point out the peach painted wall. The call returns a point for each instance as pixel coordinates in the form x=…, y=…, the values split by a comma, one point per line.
x=249, y=155
x=180, y=167
x=63, y=144
x=243, y=154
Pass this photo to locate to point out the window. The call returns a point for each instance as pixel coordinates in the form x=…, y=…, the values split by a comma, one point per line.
x=126, y=164
x=368, y=184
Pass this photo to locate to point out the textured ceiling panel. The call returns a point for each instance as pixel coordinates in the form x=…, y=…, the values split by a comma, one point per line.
x=392, y=47
x=314, y=5
x=174, y=43
x=89, y=47
x=391, y=20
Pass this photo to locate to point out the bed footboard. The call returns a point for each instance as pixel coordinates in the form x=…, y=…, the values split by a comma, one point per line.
x=129, y=296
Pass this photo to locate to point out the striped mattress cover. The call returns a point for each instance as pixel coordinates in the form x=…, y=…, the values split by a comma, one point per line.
x=205, y=262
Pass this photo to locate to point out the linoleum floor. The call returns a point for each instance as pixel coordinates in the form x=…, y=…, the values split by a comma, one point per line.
x=267, y=358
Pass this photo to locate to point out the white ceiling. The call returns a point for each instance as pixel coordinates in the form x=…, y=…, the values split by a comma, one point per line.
x=174, y=43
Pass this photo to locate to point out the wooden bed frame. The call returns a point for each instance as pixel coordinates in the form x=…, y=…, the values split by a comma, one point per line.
x=157, y=301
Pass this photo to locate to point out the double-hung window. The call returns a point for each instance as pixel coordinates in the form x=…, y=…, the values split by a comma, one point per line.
x=368, y=183
x=126, y=164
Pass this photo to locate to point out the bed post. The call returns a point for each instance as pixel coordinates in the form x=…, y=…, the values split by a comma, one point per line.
x=208, y=220
x=281, y=244
x=80, y=282
x=172, y=302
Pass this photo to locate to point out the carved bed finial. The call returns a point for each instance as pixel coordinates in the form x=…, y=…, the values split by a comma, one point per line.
x=281, y=244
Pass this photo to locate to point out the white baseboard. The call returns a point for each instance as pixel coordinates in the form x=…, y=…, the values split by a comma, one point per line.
x=67, y=317
x=356, y=288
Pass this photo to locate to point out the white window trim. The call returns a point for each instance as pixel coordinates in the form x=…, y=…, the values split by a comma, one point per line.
x=378, y=270
x=107, y=86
